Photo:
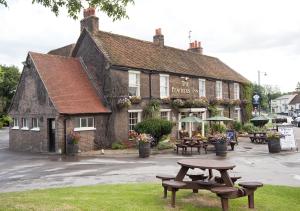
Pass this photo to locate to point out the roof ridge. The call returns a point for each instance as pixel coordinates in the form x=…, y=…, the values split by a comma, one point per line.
x=52, y=55
x=151, y=43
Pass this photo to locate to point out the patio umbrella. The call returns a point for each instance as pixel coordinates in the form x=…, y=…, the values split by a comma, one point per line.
x=218, y=119
x=259, y=121
x=191, y=120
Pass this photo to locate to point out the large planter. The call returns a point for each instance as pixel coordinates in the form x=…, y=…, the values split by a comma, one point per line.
x=144, y=149
x=72, y=149
x=274, y=146
x=221, y=148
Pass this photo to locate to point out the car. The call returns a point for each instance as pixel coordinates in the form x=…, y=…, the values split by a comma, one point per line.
x=297, y=121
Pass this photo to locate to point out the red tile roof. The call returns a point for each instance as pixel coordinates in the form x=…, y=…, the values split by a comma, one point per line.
x=67, y=84
x=130, y=52
x=63, y=51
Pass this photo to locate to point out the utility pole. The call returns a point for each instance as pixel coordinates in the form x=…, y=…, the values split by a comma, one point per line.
x=258, y=74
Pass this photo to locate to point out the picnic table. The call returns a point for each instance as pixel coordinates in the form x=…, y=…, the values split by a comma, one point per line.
x=221, y=166
x=192, y=143
x=258, y=137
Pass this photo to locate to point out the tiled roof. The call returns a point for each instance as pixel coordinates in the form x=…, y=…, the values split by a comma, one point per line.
x=296, y=100
x=67, y=84
x=63, y=51
x=134, y=53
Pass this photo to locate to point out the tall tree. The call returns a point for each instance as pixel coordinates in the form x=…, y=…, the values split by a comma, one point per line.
x=116, y=9
x=9, y=78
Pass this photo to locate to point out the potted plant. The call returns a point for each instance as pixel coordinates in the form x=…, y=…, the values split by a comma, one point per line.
x=144, y=145
x=72, y=143
x=220, y=142
x=273, y=138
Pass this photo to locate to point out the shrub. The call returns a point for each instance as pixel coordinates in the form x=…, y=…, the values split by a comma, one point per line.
x=155, y=127
x=152, y=109
x=218, y=128
x=249, y=128
x=117, y=145
x=164, y=145
x=5, y=120
x=237, y=126
x=1, y=125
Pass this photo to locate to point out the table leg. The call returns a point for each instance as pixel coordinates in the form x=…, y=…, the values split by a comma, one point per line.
x=181, y=174
x=210, y=174
x=226, y=178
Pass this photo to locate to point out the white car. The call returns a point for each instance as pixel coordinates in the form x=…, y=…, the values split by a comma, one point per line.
x=297, y=121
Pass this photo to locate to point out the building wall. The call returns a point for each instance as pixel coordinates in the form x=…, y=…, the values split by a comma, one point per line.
x=31, y=101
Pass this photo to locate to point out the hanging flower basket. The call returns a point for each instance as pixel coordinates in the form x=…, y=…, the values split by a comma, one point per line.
x=135, y=99
x=124, y=102
x=178, y=103
x=166, y=101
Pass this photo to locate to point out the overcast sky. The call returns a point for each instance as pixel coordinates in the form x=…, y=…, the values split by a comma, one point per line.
x=246, y=35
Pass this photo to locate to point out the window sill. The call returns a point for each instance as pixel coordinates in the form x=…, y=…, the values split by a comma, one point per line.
x=15, y=128
x=35, y=129
x=84, y=129
x=24, y=128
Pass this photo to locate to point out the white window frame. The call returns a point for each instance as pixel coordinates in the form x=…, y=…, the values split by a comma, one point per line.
x=161, y=87
x=219, y=90
x=37, y=128
x=15, y=124
x=24, y=126
x=138, y=82
x=168, y=113
x=202, y=92
x=238, y=110
x=80, y=128
x=139, y=117
x=236, y=91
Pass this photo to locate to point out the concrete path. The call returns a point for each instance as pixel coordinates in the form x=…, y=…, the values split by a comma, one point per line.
x=21, y=171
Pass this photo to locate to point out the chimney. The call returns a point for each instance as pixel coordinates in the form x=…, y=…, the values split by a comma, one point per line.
x=89, y=21
x=196, y=47
x=158, y=38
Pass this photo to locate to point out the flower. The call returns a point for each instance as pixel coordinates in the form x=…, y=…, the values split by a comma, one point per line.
x=143, y=138
x=124, y=102
x=132, y=135
x=135, y=99
x=166, y=100
x=73, y=138
x=274, y=135
x=178, y=103
x=219, y=138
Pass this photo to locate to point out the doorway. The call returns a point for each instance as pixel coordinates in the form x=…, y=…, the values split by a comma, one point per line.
x=51, y=129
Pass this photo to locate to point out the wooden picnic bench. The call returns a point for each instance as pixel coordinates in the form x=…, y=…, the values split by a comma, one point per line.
x=191, y=143
x=258, y=137
x=222, y=185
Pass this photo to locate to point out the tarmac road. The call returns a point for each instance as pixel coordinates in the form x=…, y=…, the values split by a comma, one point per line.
x=23, y=171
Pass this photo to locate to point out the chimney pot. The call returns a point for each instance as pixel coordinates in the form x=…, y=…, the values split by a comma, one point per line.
x=90, y=21
x=195, y=47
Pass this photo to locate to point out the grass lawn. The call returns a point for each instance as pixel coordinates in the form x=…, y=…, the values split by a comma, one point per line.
x=142, y=197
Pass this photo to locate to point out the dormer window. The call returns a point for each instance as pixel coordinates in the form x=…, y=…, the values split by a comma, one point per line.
x=134, y=83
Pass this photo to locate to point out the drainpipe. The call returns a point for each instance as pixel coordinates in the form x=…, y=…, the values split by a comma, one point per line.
x=65, y=135
x=150, y=85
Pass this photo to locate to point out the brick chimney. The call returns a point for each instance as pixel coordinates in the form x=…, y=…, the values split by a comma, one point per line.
x=89, y=21
x=158, y=38
x=196, y=47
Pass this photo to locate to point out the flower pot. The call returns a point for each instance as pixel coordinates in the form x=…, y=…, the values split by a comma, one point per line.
x=72, y=149
x=221, y=148
x=274, y=146
x=144, y=149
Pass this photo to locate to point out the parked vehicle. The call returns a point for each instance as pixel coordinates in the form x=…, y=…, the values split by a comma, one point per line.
x=296, y=122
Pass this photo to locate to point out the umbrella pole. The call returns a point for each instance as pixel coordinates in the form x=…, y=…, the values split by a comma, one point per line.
x=190, y=130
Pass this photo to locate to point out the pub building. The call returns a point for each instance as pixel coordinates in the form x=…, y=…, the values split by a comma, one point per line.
x=88, y=87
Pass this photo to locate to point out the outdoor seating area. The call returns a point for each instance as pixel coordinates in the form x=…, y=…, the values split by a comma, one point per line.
x=222, y=184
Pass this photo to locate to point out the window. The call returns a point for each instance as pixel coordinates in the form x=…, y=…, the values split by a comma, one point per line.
x=15, y=123
x=84, y=123
x=134, y=83
x=219, y=89
x=134, y=118
x=35, y=124
x=164, y=86
x=237, y=115
x=165, y=114
x=24, y=124
x=236, y=91
x=202, y=90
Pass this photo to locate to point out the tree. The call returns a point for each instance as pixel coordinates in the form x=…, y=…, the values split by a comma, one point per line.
x=9, y=78
x=116, y=9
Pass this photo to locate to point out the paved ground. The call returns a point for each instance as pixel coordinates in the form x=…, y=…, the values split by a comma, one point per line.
x=21, y=171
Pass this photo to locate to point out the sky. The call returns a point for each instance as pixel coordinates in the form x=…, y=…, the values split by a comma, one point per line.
x=249, y=36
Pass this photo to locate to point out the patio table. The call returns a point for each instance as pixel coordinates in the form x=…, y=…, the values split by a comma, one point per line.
x=221, y=166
